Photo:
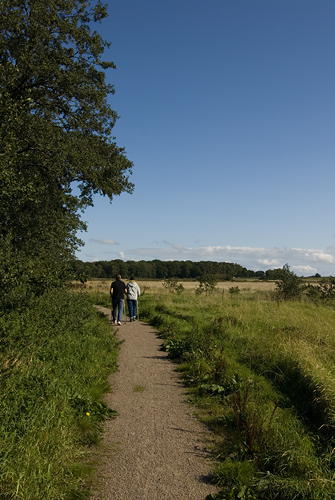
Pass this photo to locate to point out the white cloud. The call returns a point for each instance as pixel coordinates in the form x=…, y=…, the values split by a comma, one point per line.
x=304, y=270
x=104, y=242
x=269, y=263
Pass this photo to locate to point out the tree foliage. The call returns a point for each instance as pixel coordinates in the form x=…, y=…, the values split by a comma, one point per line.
x=157, y=269
x=55, y=133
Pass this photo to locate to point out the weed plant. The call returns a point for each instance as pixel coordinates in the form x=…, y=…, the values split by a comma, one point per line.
x=262, y=374
x=56, y=355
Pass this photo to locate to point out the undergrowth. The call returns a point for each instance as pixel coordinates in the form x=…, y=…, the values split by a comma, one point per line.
x=261, y=373
x=56, y=355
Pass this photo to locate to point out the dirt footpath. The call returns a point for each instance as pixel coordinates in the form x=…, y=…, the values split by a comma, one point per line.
x=156, y=449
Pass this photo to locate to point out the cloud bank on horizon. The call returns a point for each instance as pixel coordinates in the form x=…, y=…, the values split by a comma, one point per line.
x=304, y=262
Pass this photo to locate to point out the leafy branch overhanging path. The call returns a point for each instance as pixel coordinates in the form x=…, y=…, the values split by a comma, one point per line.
x=155, y=449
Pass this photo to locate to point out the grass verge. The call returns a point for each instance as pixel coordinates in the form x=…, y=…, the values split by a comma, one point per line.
x=56, y=355
x=262, y=376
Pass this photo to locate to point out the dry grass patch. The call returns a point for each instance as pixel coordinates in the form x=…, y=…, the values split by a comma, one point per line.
x=154, y=286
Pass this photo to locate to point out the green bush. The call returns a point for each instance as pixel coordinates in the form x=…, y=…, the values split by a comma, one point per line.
x=207, y=284
x=323, y=292
x=172, y=285
x=290, y=286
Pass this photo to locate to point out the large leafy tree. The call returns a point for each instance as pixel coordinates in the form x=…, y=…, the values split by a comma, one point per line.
x=55, y=133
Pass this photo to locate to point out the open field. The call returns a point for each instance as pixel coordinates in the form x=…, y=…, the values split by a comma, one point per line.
x=103, y=285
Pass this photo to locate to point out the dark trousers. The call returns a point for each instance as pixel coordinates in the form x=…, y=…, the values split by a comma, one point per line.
x=132, y=307
x=117, y=309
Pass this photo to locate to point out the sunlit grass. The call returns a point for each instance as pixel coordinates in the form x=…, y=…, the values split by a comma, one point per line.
x=262, y=374
x=55, y=360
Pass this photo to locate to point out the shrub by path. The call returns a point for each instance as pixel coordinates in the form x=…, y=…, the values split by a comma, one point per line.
x=156, y=449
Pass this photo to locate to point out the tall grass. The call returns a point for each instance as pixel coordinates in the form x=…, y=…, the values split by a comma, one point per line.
x=262, y=373
x=55, y=358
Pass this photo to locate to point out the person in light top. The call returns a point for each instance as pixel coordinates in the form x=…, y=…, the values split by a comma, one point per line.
x=133, y=293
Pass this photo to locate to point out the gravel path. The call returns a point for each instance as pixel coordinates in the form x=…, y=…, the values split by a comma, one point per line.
x=155, y=449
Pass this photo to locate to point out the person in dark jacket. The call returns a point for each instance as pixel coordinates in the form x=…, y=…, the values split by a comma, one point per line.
x=117, y=291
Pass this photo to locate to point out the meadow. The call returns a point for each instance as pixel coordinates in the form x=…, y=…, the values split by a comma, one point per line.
x=260, y=372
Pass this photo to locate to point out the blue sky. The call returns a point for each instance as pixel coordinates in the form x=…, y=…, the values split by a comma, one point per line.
x=227, y=110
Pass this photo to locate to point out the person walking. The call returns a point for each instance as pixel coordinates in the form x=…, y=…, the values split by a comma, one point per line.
x=133, y=293
x=117, y=291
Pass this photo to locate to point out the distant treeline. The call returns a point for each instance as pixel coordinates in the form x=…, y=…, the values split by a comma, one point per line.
x=157, y=269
